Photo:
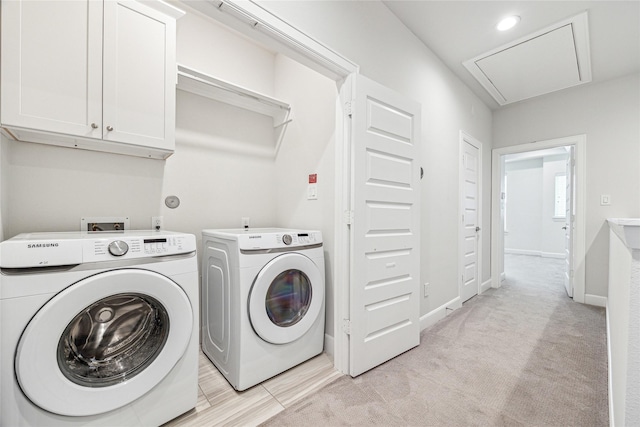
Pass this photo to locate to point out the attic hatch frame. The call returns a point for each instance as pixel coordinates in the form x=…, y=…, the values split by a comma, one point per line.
x=580, y=32
x=262, y=26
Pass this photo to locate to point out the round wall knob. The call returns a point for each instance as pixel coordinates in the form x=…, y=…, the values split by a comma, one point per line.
x=109, y=128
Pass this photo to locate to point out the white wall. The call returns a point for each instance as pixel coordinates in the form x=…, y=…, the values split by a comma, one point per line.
x=368, y=34
x=524, y=206
x=607, y=113
x=308, y=148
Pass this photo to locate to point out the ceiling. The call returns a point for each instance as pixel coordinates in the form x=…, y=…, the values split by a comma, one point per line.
x=460, y=31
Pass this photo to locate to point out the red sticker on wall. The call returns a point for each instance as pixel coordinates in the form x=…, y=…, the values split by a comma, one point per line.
x=313, y=178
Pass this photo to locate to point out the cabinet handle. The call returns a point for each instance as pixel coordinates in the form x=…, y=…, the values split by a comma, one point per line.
x=109, y=128
x=94, y=126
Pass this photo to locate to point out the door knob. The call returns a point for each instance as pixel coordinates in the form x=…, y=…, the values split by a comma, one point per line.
x=109, y=128
x=477, y=229
x=564, y=228
x=94, y=126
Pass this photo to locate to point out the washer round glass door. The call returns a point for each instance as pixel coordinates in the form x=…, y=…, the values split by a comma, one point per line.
x=103, y=342
x=286, y=298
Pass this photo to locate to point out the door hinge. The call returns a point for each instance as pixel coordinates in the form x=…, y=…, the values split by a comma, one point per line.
x=346, y=326
x=348, y=217
x=348, y=108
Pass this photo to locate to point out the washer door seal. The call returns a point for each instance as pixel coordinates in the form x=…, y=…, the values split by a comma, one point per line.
x=37, y=358
x=286, y=298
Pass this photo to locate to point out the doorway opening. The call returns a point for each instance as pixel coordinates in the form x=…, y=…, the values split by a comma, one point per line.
x=538, y=219
x=538, y=188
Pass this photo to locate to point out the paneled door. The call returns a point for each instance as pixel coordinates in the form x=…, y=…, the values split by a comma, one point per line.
x=385, y=232
x=568, y=225
x=470, y=228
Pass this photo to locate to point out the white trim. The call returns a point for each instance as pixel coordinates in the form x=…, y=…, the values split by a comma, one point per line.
x=434, y=316
x=485, y=286
x=261, y=25
x=612, y=422
x=595, y=300
x=529, y=252
x=465, y=137
x=342, y=253
x=497, y=235
x=328, y=345
x=532, y=252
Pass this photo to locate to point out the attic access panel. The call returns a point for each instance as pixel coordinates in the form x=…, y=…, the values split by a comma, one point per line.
x=549, y=60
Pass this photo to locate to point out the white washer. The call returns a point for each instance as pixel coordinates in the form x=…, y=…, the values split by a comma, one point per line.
x=98, y=329
x=262, y=301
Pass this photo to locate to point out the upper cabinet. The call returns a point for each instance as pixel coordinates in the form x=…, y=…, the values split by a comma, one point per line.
x=90, y=74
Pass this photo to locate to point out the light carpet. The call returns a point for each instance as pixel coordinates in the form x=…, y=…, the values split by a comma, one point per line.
x=521, y=355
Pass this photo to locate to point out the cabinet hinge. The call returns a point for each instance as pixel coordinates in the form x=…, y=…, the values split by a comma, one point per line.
x=346, y=326
x=348, y=108
x=348, y=217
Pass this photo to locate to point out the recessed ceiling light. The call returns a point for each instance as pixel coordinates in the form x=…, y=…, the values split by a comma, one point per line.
x=508, y=22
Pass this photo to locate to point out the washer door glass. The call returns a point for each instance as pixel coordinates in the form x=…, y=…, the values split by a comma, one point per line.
x=103, y=342
x=113, y=340
x=286, y=298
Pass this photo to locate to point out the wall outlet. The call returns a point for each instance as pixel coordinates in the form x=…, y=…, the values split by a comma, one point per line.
x=426, y=290
x=156, y=223
x=245, y=222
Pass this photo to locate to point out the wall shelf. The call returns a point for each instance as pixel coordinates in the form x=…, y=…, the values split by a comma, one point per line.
x=199, y=83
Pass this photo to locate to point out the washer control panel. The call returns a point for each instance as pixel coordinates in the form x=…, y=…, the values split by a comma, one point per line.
x=52, y=249
x=136, y=247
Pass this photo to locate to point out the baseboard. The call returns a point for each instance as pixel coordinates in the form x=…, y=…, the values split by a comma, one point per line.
x=486, y=285
x=610, y=372
x=328, y=345
x=432, y=317
x=596, y=300
x=534, y=253
x=552, y=255
x=522, y=252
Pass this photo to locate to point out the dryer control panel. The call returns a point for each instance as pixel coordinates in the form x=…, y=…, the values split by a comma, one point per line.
x=279, y=239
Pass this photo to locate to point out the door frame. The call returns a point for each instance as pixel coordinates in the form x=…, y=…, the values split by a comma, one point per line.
x=497, y=234
x=270, y=30
x=466, y=138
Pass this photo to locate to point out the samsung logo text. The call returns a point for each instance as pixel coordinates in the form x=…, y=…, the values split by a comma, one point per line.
x=41, y=245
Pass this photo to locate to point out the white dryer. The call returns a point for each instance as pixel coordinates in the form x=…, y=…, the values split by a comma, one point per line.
x=98, y=329
x=262, y=301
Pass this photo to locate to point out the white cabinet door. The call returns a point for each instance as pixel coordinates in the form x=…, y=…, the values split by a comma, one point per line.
x=52, y=66
x=139, y=75
x=90, y=74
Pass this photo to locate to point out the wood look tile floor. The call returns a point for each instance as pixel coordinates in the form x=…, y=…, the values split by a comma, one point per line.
x=220, y=405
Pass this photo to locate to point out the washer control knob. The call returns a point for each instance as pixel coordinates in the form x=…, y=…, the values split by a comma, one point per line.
x=118, y=248
x=286, y=239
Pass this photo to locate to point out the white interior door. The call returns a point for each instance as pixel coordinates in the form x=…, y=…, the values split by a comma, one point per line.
x=568, y=226
x=470, y=224
x=385, y=273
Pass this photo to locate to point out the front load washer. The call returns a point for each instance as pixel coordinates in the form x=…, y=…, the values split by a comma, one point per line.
x=262, y=301
x=98, y=329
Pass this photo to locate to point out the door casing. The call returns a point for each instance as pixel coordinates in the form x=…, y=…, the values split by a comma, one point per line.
x=497, y=234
